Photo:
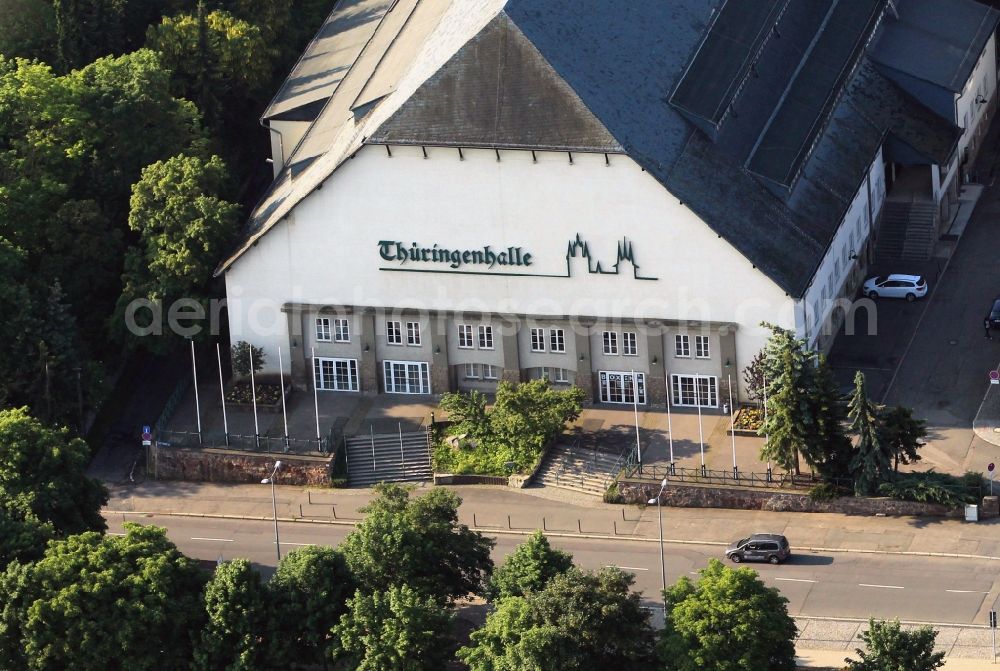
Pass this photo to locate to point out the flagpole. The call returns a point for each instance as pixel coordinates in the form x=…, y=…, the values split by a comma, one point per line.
x=732, y=427
x=197, y=402
x=635, y=408
x=319, y=440
x=701, y=431
x=253, y=392
x=767, y=438
x=670, y=435
x=222, y=394
x=281, y=379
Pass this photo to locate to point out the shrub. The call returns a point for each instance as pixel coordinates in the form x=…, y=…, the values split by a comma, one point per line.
x=241, y=358
x=613, y=494
x=933, y=487
x=824, y=492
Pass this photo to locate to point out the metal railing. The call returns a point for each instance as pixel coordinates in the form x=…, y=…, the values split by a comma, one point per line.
x=706, y=476
x=171, y=405
x=248, y=443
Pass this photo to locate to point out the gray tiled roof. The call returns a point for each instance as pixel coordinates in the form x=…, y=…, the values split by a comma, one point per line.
x=600, y=75
x=938, y=41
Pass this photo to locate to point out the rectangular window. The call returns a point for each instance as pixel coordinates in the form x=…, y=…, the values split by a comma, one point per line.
x=323, y=329
x=406, y=377
x=393, y=333
x=471, y=371
x=485, y=336
x=622, y=388
x=537, y=340
x=562, y=376
x=701, y=347
x=544, y=374
x=489, y=372
x=682, y=345
x=336, y=374
x=341, y=330
x=694, y=390
x=413, y=334
x=465, y=336
x=610, y=342
x=630, y=345
x=557, y=340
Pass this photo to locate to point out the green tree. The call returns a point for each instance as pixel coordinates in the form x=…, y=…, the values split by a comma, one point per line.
x=528, y=568
x=787, y=406
x=398, y=629
x=467, y=411
x=236, y=606
x=19, y=323
x=183, y=224
x=22, y=535
x=902, y=434
x=529, y=415
x=27, y=29
x=577, y=621
x=46, y=469
x=890, y=648
x=728, y=621
x=871, y=459
x=241, y=358
x=308, y=595
x=828, y=448
x=755, y=378
x=418, y=542
x=87, y=29
x=102, y=602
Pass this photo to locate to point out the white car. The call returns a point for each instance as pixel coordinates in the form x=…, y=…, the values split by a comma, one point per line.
x=910, y=287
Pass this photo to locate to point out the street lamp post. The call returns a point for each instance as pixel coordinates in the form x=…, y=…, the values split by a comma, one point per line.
x=269, y=480
x=663, y=566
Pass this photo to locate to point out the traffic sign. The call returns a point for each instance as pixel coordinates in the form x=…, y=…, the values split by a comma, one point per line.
x=994, y=377
x=145, y=428
x=993, y=619
x=991, y=467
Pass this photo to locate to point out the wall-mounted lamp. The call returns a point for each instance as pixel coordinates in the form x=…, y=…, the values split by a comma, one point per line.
x=852, y=255
x=295, y=343
x=437, y=350
x=980, y=100
x=728, y=363
x=367, y=347
x=583, y=358
x=655, y=360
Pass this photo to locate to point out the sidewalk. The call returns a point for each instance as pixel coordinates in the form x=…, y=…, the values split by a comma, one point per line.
x=822, y=642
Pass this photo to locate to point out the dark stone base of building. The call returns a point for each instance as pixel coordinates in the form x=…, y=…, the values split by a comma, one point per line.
x=215, y=465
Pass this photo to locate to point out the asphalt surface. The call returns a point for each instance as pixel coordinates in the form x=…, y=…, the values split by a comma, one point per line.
x=928, y=589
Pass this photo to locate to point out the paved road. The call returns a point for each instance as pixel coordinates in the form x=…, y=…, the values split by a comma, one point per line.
x=836, y=584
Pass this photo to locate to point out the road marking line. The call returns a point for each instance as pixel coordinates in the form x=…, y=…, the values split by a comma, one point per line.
x=861, y=584
x=965, y=591
x=217, y=540
x=290, y=543
x=795, y=579
x=627, y=568
x=114, y=533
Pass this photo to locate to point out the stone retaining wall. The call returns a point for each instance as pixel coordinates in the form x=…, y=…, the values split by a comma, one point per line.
x=216, y=465
x=694, y=496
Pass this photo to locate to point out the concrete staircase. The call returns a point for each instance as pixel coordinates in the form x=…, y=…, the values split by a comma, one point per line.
x=580, y=470
x=907, y=231
x=388, y=457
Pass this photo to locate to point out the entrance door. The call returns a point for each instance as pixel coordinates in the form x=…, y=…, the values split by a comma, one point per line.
x=619, y=387
x=406, y=377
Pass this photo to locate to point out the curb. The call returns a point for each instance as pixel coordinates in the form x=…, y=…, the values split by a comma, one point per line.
x=554, y=534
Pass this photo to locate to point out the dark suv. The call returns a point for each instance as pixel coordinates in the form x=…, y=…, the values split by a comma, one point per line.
x=771, y=548
x=994, y=316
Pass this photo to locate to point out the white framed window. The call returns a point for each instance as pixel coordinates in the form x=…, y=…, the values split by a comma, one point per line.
x=341, y=330
x=557, y=340
x=485, y=336
x=465, y=336
x=393, y=333
x=335, y=374
x=544, y=373
x=701, y=347
x=471, y=371
x=562, y=376
x=413, y=334
x=694, y=390
x=619, y=387
x=610, y=342
x=682, y=345
x=537, y=340
x=406, y=377
x=490, y=372
x=630, y=345
x=323, y=333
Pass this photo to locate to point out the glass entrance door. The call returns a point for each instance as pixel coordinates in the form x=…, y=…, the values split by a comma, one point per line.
x=619, y=387
x=406, y=377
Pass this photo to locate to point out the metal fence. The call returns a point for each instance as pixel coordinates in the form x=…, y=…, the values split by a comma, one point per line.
x=249, y=443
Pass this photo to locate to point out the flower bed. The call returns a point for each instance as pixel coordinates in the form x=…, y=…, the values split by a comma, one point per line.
x=748, y=420
x=268, y=395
